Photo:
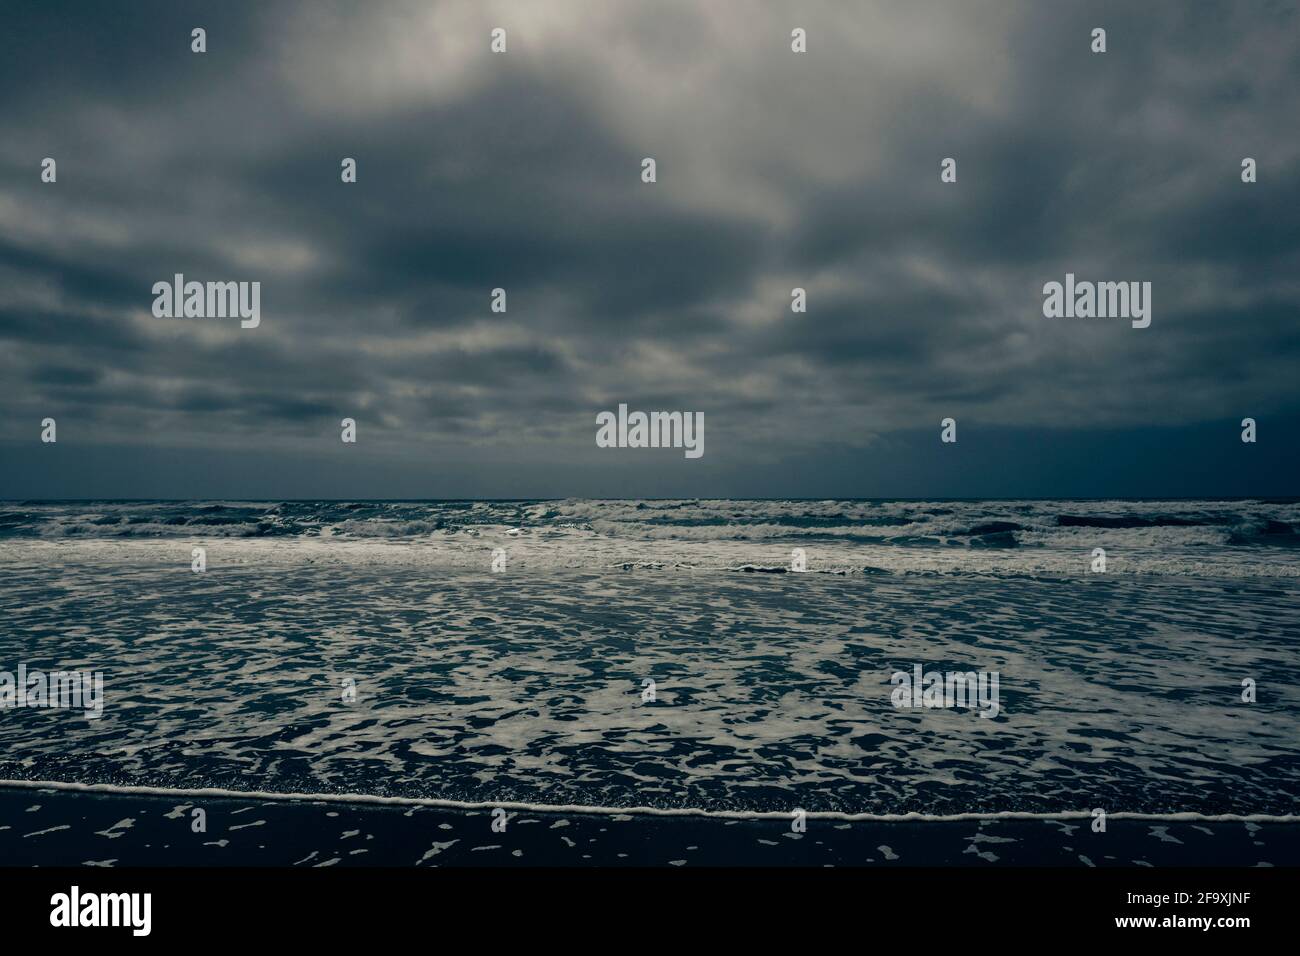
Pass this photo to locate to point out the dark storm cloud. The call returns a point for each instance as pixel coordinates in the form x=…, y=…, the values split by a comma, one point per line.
x=522, y=171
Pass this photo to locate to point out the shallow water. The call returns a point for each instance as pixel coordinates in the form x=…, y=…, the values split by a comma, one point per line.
x=1119, y=690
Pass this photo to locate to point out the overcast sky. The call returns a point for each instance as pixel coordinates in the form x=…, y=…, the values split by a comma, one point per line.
x=523, y=171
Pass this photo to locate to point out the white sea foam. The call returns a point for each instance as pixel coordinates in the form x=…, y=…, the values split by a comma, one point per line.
x=1121, y=689
x=585, y=551
x=560, y=809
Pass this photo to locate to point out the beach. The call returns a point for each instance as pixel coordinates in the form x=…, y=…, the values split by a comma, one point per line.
x=665, y=657
x=44, y=827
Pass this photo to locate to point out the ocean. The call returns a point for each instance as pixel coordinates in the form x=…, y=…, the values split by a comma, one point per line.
x=661, y=660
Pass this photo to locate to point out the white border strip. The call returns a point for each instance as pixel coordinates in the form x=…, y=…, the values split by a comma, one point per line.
x=220, y=793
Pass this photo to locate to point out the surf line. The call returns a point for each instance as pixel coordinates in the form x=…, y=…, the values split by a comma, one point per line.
x=374, y=799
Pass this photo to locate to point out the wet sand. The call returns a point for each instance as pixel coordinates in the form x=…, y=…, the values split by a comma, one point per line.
x=59, y=828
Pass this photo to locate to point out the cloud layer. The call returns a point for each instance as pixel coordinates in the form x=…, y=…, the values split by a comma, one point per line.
x=522, y=171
